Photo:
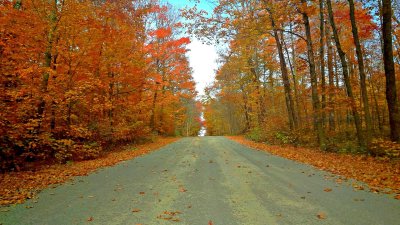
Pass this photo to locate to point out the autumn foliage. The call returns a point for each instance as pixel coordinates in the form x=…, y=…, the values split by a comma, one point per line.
x=16, y=187
x=79, y=76
x=292, y=75
x=380, y=175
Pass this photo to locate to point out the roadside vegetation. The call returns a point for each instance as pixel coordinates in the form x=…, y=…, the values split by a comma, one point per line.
x=381, y=175
x=307, y=73
x=16, y=187
x=80, y=78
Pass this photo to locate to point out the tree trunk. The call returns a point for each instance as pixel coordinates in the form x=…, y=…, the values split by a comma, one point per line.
x=153, y=111
x=391, y=92
x=292, y=66
x=47, y=64
x=331, y=82
x=342, y=56
x=314, y=86
x=246, y=111
x=286, y=83
x=360, y=60
x=322, y=59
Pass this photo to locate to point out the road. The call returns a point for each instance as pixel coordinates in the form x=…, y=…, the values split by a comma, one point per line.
x=205, y=180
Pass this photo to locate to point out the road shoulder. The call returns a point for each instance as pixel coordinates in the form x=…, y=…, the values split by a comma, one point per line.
x=381, y=176
x=16, y=187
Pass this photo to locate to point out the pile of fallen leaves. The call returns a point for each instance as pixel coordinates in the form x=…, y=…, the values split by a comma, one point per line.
x=16, y=187
x=382, y=175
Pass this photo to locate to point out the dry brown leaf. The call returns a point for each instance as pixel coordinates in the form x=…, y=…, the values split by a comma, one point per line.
x=321, y=216
x=136, y=210
x=328, y=189
x=90, y=219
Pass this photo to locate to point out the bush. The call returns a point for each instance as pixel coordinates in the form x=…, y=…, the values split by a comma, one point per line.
x=385, y=148
x=255, y=134
x=67, y=149
x=286, y=138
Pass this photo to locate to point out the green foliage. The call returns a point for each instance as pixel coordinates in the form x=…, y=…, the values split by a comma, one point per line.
x=286, y=137
x=255, y=134
x=349, y=146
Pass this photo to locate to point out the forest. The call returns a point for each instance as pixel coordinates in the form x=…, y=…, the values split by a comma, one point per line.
x=305, y=73
x=79, y=77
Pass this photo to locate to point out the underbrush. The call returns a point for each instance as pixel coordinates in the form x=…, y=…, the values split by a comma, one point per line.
x=337, y=142
x=21, y=151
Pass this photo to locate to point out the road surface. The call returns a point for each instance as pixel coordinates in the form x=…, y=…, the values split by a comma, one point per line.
x=205, y=180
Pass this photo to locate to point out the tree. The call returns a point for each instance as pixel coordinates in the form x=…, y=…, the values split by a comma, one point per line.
x=349, y=90
x=391, y=92
x=318, y=123
x=360, y=60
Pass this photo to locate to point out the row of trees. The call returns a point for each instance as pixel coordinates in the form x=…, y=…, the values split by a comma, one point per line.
x=297, y=71
x=77, y=76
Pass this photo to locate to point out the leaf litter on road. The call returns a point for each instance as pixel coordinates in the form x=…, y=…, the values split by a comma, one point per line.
x=380, y=175
x=170, y=216
x=321, y=215
x=16, y=187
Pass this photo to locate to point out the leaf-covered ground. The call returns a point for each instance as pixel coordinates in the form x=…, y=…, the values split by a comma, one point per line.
x=16, y=187
x=381, y=175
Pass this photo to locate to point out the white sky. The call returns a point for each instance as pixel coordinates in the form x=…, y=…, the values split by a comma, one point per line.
x=202, y=57
x=203, y=60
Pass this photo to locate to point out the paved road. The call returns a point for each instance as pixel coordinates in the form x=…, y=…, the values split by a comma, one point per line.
x=197, y=180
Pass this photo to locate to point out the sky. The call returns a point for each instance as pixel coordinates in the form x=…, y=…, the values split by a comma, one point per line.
x=202, y=57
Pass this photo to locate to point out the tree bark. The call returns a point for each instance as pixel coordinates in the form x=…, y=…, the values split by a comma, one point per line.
x=391, y=92
x=322, y=59
x=314, y=86
x=360, y=60
x=285, y=77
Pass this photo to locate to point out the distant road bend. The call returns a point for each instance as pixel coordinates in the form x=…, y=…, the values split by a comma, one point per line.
x=205, y=180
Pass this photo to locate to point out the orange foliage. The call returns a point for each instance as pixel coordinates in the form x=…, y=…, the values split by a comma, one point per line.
x=16, y=187
x=79, y=76
x=378, y=174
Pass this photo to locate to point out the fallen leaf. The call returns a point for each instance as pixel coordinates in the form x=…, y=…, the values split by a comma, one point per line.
x=182, y=189
x=328, y=189
x=210, y=222
x=90, y=219
x=321, y=216
x=136, y=210
x=16, y=187
x=379, y=175
x=142, y=193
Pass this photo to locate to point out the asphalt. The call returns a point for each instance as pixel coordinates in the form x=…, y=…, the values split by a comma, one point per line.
x=203, y=181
